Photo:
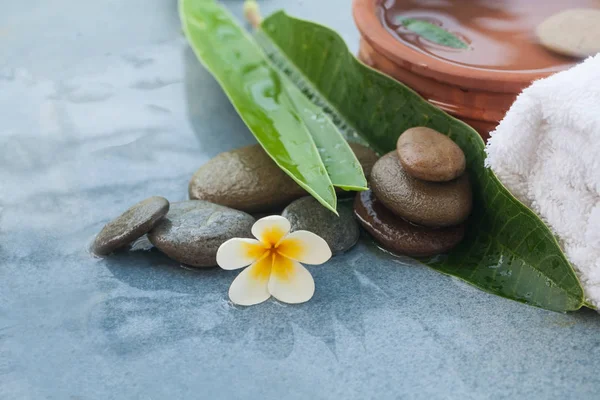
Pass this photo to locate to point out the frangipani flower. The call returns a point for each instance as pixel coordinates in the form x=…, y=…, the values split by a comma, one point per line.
x=274, y=260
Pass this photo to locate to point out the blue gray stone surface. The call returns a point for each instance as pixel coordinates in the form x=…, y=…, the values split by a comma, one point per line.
x=103, y=105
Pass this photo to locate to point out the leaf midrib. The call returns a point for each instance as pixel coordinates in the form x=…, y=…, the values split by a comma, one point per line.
x=305, y=80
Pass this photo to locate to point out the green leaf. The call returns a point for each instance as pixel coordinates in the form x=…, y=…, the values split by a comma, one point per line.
x=507, y=250
x=590, y=305
x=433, y=33
x=294, y=132
x=342, y=166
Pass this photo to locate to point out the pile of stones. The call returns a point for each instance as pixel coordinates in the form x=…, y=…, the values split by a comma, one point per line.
x=420, y=195
x=227, y=195
x=419, y=199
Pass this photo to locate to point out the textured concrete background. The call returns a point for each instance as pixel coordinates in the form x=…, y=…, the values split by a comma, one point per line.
x=102, y=105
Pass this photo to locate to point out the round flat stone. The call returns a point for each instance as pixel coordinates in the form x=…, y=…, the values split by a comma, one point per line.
x=433, y=204
x=340, y=233
x=248, y=179
x=192, y=231
x=245, y=179
x=429, y=155
x=131, y=225
x=574, y=32
x=400, y=236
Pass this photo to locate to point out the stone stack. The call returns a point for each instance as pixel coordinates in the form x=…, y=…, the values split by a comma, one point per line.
x=420, y=195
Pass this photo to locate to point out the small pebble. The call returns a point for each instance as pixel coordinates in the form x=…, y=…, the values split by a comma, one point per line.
x=574, y=33
x=400, y=236
x=192, y=231
x=340, y=233
x=131, y=225
x=433, y=204
x=429, y=155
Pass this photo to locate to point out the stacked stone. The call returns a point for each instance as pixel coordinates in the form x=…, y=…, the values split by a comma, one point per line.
x=420, y=195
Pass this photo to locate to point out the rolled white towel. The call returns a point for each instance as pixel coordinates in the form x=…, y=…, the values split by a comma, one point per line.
x=546, y=151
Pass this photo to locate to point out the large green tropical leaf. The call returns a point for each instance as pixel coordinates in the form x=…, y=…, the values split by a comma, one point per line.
x=507, y=250
x=295, y=133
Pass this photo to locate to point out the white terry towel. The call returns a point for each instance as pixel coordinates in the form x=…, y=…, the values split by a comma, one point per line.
x=546, y=151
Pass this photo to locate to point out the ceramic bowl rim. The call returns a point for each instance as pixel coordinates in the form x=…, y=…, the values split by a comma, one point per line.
x=373, y=31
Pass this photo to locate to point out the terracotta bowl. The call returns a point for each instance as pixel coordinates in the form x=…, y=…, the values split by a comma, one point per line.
x=479, y=97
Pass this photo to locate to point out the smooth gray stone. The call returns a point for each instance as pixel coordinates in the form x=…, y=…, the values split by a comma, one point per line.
x=193, y=231
x=131, y=225
x=246, y=179
x=340, y=233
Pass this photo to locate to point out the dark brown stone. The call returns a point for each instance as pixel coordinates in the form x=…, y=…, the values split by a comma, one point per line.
x=429, y=155
x=400, y=236
x=433, y=204
x=131, y=225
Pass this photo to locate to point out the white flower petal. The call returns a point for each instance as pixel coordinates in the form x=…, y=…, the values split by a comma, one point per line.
x=306, y=247
x=290, y=282
x=237, y=253
x=270, y=230
x=250, y=287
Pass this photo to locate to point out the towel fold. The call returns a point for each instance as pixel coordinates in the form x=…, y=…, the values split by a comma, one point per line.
x=546, y=151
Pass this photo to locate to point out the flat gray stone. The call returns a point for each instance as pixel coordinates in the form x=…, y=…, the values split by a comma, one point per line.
x=340, y=233
x=245, y=179
x=248, y=179
x=192, y=231
x=131, y=225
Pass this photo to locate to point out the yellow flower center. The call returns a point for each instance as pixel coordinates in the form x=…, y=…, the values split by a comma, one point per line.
x=274, y=255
